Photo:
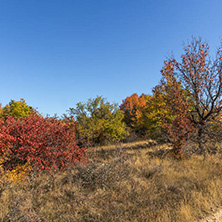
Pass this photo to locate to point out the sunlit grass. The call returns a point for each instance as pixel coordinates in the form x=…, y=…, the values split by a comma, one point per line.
x=127, y=185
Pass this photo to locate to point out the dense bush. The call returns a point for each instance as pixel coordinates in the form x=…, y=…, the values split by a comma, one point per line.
x=43, y=143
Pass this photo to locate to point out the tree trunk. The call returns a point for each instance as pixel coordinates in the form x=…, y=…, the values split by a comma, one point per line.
x=200, y=138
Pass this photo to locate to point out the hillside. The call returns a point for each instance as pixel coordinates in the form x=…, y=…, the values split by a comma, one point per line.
x=134, y=184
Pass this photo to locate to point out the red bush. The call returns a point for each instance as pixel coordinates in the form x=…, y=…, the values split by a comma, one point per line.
x=45, y=143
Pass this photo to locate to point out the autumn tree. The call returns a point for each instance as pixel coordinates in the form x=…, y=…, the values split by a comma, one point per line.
x=18, y=109
x=201, y=77
x=176, y=119
x=133, y=107
x=153, y=112
x=1, y=110
x=99, y=121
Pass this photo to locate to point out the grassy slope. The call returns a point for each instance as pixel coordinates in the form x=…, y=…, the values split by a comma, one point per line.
x=119, y=185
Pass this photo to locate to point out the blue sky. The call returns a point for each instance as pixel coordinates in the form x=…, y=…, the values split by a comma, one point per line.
x=55, y=53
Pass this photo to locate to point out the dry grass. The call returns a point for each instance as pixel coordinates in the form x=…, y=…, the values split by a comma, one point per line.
x=127, y=146
x=122, y=185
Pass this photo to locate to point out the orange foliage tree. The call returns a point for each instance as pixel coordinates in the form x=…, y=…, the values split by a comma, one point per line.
x=133, y=107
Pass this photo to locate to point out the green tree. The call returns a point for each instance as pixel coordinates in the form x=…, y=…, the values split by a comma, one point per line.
x=99, y=121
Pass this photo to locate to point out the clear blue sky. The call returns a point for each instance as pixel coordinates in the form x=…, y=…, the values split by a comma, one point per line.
x=55, y=53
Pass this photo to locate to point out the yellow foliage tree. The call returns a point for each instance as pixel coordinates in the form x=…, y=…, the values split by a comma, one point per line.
x=17, y=109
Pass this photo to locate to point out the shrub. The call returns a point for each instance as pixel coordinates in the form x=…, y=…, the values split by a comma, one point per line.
x=16, y=175
x=45, y=143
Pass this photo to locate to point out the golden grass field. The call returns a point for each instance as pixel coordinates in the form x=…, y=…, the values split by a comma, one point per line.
x=119, y=183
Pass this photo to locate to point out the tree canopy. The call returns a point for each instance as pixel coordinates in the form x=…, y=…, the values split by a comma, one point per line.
x=99, y=121
x=18, y=109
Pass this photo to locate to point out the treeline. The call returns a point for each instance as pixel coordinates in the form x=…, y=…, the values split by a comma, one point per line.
x=185, y=107
x=138, y=117
x=100, y=122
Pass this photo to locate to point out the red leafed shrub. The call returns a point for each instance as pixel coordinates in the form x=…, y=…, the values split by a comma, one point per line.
x=45, y=143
